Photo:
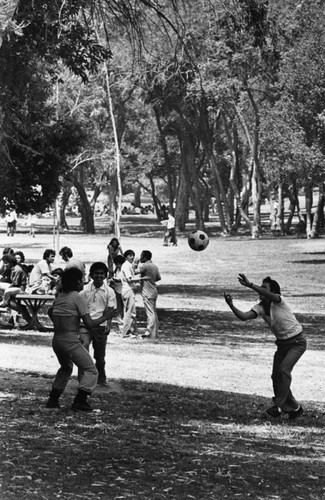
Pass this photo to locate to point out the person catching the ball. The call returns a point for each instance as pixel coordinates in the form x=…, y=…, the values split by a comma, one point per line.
x=290, y=341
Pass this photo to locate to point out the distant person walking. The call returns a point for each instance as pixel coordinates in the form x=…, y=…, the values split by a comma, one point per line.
x=290, y=341
x=31, y=223
x=11, y=220
x=170, y=235
x=149, y=273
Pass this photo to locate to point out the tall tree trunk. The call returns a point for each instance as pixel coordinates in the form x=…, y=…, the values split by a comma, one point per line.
x=137, y=196
x=309, y=204
x=155, y=198
x=220, y=194
x=87, y=214
x=169, y=167
x=319, y=214
x=181, y=204
x=191, y=177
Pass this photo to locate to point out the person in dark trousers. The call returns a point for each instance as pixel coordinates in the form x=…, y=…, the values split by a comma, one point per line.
x=67, y=310
x=290, y=341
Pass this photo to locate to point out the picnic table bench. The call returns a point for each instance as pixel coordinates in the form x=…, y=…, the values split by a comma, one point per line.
x=33, y=303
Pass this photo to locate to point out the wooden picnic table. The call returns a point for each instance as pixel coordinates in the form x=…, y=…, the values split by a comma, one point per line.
x=34, y=302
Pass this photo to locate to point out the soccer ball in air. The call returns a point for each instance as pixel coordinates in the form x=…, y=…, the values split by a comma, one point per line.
x=198, y=240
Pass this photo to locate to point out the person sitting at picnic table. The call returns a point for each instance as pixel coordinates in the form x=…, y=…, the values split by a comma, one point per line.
x=13, y=279
x=41, y=275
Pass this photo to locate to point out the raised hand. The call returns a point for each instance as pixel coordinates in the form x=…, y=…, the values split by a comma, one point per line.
x=228, y=298
x=244, y=281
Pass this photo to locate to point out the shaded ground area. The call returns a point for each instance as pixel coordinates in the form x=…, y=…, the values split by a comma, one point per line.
x=155, y=442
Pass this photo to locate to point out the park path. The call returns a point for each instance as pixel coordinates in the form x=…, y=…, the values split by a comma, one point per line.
x=204, y=366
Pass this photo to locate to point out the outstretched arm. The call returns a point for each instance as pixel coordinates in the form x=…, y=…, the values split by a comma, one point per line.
x=243, y=315
x=243, y=280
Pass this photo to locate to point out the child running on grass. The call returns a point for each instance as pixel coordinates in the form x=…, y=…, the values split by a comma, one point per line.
x=290, y=341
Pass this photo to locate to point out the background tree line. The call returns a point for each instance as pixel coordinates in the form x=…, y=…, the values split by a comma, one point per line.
x=194, y=99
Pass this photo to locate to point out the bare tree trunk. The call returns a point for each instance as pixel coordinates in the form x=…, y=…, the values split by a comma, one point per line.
x=137, y=196
x=87, y=215
x=181, y=214
x=319, y=214
x=220, y=194
x=309, y=204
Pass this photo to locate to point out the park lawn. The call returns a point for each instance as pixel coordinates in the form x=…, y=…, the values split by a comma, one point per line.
x=159, y=441
x=174, y=441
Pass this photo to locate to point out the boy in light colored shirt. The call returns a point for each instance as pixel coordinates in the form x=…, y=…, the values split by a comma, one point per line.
x=99, y=297
x=290, y=341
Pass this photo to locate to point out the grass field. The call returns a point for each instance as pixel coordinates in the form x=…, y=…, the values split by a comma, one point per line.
x=184, y=416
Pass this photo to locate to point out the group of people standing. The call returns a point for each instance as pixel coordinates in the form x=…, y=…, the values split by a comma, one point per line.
x=126, y=274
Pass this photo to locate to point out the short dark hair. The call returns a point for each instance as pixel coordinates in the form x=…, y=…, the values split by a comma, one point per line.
x=147, y=254
x=71, y=279
x=66, y=251
x=7, y=251
x=98, y=266
x=47, y=253
x=22, y=256
x=119, y=259
x=128, y=252
x=9, y=259
x=274, y=285
x=58, y=270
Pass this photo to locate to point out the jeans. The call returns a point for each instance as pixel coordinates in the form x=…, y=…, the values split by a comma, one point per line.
x=286, y=356
x=152, y=318
x=97, y=336
x=69, y=351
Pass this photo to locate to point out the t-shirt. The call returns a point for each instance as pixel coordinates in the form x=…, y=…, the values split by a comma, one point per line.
x=98, y=299
x=148, y=288
x=70, y=304
x=281, y=321
x=42, y=267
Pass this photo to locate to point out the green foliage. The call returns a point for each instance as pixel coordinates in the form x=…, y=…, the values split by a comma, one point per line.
x=32, y=166
x=57, y=31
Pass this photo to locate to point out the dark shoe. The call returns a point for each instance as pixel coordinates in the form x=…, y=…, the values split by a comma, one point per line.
x=295, y=413
x=274, y=411
x=52, y=403
x=85, y=406
x=102, y=383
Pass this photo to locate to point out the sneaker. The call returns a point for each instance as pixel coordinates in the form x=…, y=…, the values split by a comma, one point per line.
x=295, y=413
x=274, y=411
x=146, y=335
x=85, y=406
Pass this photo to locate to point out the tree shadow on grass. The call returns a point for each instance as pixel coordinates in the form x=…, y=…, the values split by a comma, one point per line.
x=155, y=441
